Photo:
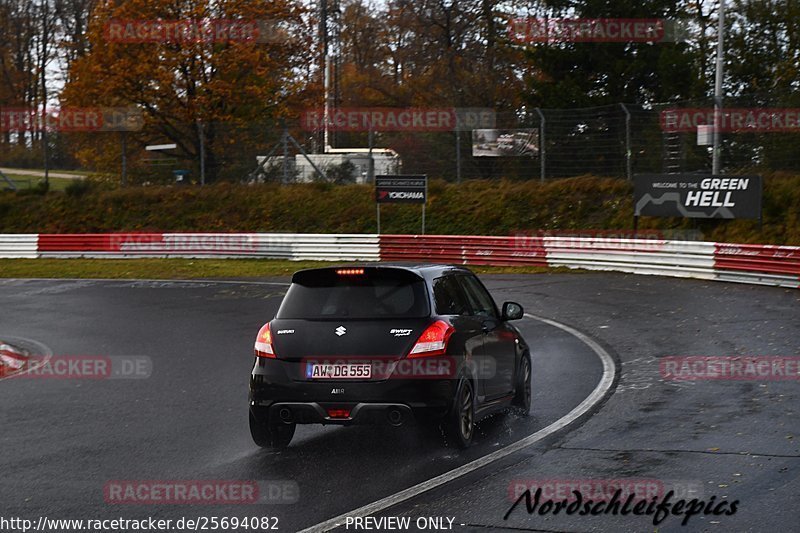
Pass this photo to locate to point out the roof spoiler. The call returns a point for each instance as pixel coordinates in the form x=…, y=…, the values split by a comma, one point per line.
x=329, y=275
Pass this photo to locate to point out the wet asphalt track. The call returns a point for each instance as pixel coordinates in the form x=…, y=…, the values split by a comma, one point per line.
x=62, y=440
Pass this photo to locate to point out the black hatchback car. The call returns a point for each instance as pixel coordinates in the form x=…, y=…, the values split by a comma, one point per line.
x=387, y=344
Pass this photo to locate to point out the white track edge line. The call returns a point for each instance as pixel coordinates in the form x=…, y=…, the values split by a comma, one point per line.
x=596, y=396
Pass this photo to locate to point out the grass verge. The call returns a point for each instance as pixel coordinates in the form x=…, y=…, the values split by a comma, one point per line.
x=184, y=268
x=475, y=207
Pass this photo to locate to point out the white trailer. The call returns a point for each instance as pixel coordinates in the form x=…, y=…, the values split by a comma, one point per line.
x=385, y=160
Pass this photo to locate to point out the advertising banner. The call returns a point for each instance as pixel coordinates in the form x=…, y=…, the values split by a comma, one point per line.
x=697, y=196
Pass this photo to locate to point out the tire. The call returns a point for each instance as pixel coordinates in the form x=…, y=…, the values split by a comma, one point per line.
x=269, y=435
x=522, y=397
x=460, y=423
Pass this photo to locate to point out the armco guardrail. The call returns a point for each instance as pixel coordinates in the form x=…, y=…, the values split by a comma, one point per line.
x=637, y=256
x=755, y=263
x=19, y=246
x=469, y=250
x=761, y=264
x=305, y=246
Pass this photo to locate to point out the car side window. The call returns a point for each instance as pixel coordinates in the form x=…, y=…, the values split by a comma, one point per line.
x=479, y=299
x=449, y=297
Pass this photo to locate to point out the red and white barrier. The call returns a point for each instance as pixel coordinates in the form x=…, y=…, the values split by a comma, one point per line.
x=756, y=263
x=465, y=250
x=19, y=246
x=760, y=264
x=295, y=247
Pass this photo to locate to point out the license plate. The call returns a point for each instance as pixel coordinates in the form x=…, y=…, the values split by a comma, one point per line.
x=338, y=371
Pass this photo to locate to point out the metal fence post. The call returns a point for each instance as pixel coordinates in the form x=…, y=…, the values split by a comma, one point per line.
x=201, y=139
x=371, y=167
x=542, y=147
x=124, y=147
x=285, y=141
x=458, y=154
x=627, y=141
x=716, y=155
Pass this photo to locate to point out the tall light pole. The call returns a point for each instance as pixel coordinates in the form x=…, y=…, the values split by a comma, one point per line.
x=330, y=36
x=715, y=157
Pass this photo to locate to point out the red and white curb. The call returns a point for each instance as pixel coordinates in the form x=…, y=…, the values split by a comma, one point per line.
x=741, y=263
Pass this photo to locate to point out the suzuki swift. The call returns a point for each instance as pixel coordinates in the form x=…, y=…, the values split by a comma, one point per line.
x=387, y=344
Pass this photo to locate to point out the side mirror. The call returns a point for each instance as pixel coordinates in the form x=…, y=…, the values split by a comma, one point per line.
x=512, y=311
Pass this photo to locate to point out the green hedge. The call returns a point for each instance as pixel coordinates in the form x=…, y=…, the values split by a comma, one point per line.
x=474, y=207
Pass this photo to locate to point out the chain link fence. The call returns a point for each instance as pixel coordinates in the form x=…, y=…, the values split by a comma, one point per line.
x=617, y=140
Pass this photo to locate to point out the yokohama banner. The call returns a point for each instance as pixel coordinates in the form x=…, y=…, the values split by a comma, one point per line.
x=401, y=189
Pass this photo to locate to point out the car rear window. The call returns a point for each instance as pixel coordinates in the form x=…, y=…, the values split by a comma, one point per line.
x=369, y=293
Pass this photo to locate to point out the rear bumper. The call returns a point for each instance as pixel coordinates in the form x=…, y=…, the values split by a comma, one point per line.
x=395, y=414
x=273, y=392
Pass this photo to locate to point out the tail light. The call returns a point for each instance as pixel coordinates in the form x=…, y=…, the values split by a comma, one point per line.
x=433, y=340
x=264, y=346
x=350, y=271
x=339, y=413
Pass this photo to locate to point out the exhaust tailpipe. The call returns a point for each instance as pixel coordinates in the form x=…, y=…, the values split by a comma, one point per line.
x=395, y=416
x=286, y=415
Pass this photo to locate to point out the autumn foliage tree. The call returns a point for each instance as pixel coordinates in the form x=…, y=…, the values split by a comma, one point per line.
x=28, y=32
x=229, y=95
x=212, y=89
x=429, y=53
